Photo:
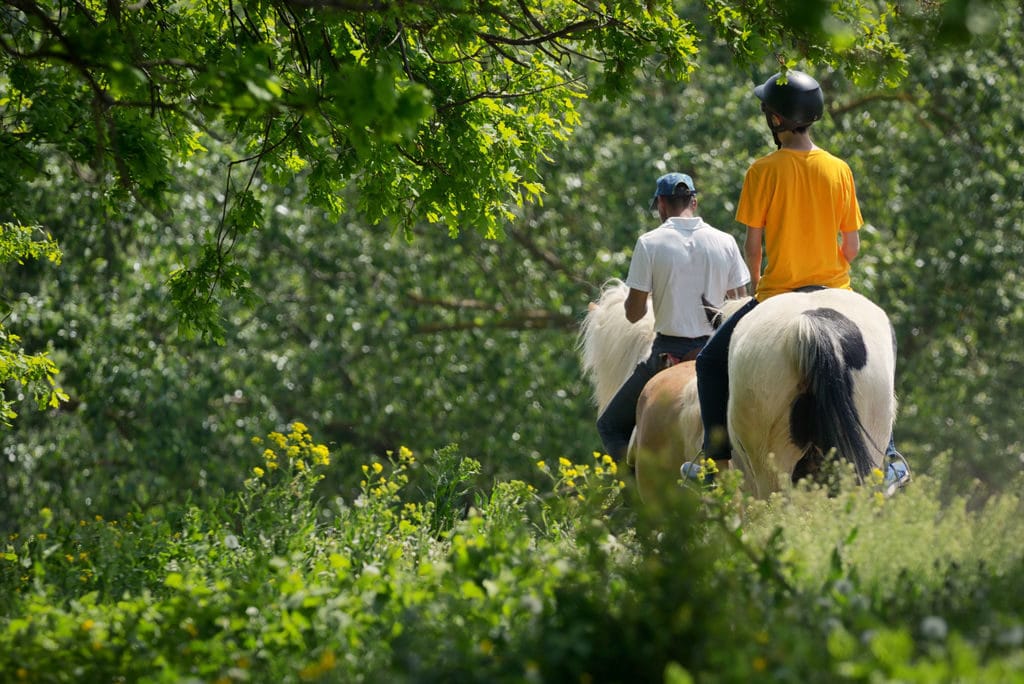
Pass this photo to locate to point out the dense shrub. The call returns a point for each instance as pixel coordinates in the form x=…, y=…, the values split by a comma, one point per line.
x=285, y=581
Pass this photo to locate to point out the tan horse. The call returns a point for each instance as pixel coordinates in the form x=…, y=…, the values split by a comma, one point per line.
x=668, y=426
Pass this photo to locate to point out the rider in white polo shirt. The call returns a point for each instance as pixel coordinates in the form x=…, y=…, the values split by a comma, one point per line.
x=684, y=265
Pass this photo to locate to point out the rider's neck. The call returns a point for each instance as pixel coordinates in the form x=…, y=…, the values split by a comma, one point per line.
x=800, y=142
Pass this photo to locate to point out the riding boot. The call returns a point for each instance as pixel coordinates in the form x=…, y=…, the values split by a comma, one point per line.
x=619, y=417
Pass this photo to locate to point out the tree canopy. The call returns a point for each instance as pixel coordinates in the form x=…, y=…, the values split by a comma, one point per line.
x=438, y=113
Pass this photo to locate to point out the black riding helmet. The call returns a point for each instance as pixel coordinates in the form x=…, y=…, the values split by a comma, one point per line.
x=798, y=102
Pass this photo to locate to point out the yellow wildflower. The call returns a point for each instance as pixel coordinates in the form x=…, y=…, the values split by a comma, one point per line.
x=259, y=471
x=564, y=462
x=87, y=625
x=321, y=455
x=377, y=467
x=300, y=464
x=278, y=439
x=299, y=427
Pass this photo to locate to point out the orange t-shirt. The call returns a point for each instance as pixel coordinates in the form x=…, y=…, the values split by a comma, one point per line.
x=802, y=200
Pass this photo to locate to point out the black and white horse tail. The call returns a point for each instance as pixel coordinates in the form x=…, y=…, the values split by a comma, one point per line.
x=829, y=349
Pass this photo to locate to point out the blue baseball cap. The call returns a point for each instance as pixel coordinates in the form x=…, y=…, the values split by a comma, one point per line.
x=668, y=186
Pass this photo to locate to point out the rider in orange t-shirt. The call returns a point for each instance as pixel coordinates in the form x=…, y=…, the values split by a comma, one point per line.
x=800, y=202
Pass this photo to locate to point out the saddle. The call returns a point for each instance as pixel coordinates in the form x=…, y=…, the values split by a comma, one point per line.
x=667, y=360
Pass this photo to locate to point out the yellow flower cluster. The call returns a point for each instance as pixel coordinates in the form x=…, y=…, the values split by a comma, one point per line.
x=321, y=455
x=376, y=482
x=295, y=449
x=575, y=476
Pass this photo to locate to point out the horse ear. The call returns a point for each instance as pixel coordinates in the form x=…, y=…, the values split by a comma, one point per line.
x=713, y=313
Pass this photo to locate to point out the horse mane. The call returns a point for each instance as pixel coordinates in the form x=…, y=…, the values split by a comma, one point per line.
x=609, y=345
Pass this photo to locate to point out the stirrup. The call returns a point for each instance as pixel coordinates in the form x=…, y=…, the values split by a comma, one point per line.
x=897, y=473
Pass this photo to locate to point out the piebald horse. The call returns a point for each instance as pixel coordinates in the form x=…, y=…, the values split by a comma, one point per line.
x=811, y=378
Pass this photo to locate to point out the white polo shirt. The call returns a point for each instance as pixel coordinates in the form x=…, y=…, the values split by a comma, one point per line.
x=680, y=261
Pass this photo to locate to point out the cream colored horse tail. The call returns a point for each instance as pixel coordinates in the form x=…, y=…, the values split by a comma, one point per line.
x=609, y=345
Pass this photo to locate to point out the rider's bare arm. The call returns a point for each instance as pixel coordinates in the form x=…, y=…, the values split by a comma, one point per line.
x=752, y=253
x=737, y=292
x=636, y=305
x=851, y=245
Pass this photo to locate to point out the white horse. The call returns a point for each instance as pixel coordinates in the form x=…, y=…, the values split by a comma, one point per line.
x=811, y=378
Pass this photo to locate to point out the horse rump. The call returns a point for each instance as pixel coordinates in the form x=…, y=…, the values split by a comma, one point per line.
x=810, y=381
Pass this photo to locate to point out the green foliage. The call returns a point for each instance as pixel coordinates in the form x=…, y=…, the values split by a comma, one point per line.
x=851, y=36
x=18, y=243
x=437, y=113
x=34, y=373
x=450, y=477
x=284, y=581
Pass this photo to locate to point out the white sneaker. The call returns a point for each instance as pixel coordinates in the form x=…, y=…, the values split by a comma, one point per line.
x=695, y=474
x=897, y=474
